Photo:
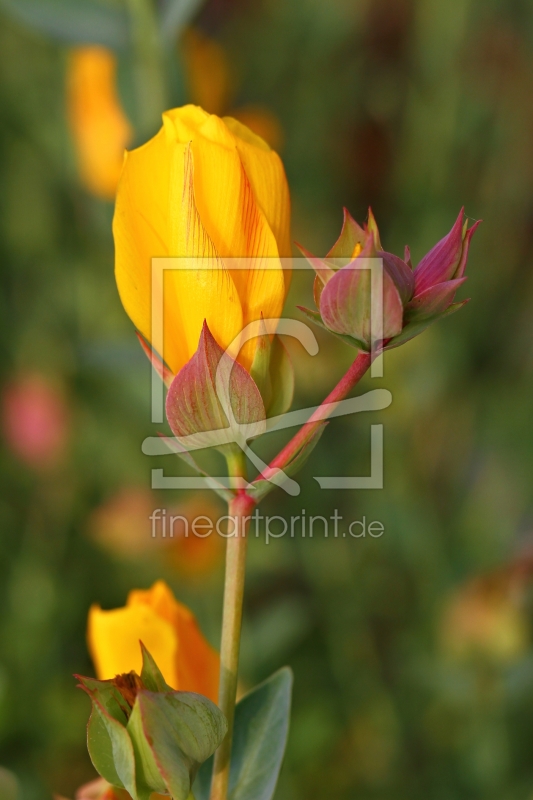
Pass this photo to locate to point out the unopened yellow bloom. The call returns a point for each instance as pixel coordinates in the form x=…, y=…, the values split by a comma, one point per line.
x=167, y=629
x=100, y=128
x=202, y=188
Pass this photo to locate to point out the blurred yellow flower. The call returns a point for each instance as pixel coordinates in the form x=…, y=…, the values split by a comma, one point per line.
x=202, y=188
x=169, y=631
x=207, y=71
x=100, y=128
x=212, y=86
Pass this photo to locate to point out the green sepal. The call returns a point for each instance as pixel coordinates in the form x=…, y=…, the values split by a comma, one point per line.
x=372, y=226
x=260, y=369
x=111, y=749
x=282, y=379
x=351, y=235
x=148, y=775
x=259, y=740
x=9, y=788
x=151, y=676
x=109, y=697
x=413, y=329
x=315, y=317
x=273, y=374
x=212, y=397
x=176, y=732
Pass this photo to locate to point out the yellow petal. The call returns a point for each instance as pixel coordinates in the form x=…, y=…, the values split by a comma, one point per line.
x=195, y=191
x=207, y=71
x=114, y=638
x=231, y=216
x=167, y=628
x=267, y=176
x=141, y=231
x=197, y=663
x=205, y=290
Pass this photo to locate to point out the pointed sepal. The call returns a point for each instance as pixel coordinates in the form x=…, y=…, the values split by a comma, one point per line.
x=351, y=237
x=442, y=261
x=164, y=372
x=348, y=306
x=213, y=396
x=432, y=301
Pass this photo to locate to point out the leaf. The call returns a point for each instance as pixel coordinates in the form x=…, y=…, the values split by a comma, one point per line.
x=8, y=785
x=175, y=15
x=74, y=21
x=183, y=729
x=111, y=749
x=259, y=740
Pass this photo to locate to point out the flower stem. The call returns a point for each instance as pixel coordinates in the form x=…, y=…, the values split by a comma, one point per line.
x=344, y=386
x=239, y=509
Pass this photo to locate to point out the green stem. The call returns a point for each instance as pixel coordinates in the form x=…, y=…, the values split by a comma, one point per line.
x=239, y=508
x=150, y=81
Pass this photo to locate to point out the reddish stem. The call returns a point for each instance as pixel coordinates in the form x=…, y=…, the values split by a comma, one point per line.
x=344, y=386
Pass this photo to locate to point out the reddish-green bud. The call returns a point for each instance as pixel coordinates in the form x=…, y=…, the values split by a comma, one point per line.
x=411, y=299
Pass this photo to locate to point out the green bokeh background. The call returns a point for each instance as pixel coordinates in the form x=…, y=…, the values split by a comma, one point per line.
x=415, y=107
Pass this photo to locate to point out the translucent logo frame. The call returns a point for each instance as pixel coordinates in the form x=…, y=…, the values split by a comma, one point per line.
x=241, y=434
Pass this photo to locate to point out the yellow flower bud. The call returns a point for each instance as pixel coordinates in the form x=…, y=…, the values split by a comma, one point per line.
x=100, y=129
x=167, y=629
x=205, y=188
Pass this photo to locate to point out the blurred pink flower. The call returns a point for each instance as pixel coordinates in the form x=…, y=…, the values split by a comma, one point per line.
x=35, y=420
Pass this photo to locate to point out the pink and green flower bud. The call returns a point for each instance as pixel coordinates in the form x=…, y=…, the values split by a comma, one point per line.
x=411, y=300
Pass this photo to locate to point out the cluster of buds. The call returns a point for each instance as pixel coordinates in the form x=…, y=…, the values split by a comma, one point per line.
x=410, y=300
x=144, y=737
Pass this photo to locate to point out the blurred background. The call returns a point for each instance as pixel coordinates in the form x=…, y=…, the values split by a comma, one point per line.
x=412, y=653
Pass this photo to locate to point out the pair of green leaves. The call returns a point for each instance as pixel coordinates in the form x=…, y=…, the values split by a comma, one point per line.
x=104, y=22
